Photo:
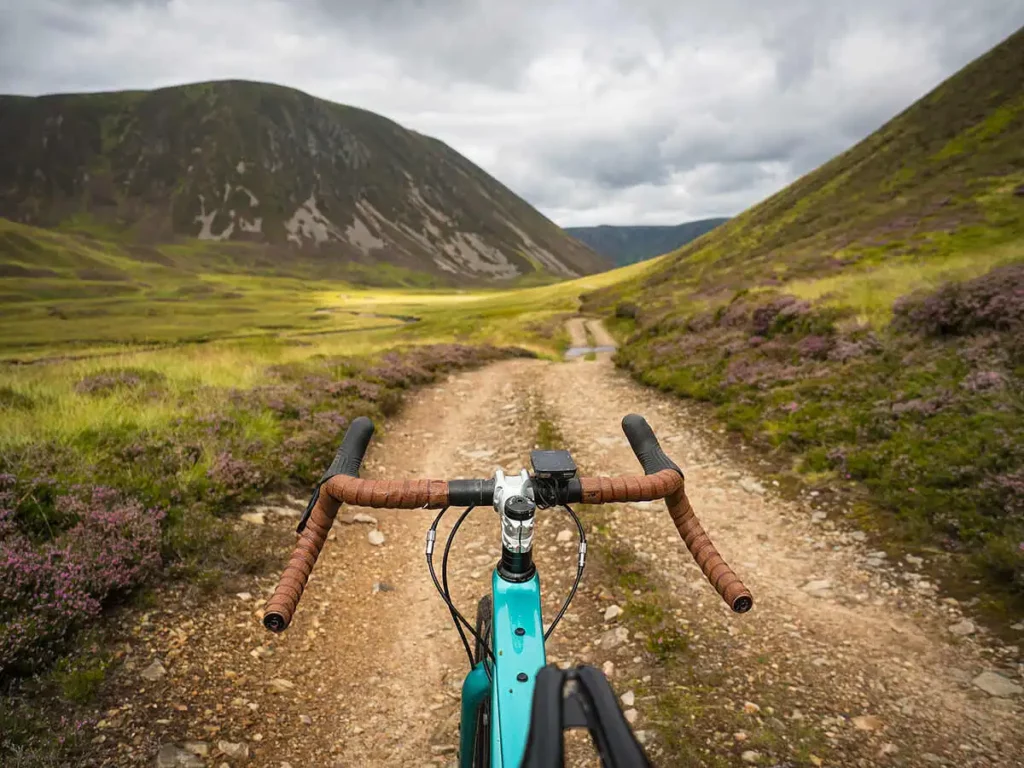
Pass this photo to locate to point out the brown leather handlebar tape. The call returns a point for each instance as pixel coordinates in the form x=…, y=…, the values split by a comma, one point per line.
x=388, y=494
x=281, y=607
x=717, y=571
x=609, y=490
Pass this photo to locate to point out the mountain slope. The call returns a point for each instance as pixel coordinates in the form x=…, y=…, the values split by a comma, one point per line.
x=866, y=324
x=628, y=245
x=263, y=164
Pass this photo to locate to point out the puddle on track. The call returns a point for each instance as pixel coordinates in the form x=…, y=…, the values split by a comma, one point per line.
x=573, y=352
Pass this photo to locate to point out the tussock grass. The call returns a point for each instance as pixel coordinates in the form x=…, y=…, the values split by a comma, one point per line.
x=871, y=292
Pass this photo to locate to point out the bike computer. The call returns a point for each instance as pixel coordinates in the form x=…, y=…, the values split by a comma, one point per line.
x=554, y=465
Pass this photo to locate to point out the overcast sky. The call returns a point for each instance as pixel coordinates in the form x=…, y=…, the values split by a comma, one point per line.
x=649, y=111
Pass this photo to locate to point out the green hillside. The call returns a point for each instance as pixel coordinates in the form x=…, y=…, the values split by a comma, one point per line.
x=866, y=324
x=628, y=245
x=292, y=177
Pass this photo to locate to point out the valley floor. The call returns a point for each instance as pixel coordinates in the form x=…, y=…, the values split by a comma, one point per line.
x=846, y=659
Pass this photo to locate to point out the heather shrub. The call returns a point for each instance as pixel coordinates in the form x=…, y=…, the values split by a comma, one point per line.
x=775, y=315
x=626, y=310
x=992, y=301
x=393, y=372
x=364, y=390
x=735, y=315
x=984, y=381
x=845, y=348
x=112, y=380
x=235, y=480
x=816, y=347
x=48, y=589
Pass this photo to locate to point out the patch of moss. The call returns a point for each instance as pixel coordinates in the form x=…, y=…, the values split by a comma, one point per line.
x=81, y=676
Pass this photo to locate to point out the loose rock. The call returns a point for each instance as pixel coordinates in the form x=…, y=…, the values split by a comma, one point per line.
x=963, y=628
x=238, y=750
x=362, y=517
x=751, y=486
x=253, y=518
x=564, y=536
x=867, y=723
x=612, y=612
x=627, y=698
x=613, y=638
x=200, y=748
x=750, y=756
x=153, y=672
x=996, y=685
x=280, y=685
x=375, y=537
x=173, y=756
x=817, y=587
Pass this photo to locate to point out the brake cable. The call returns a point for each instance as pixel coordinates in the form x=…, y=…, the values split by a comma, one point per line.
x=444, y=590
x=457, y=617
x=579, y=571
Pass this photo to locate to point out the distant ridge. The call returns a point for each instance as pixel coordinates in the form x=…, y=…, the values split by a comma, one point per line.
x=628, y=245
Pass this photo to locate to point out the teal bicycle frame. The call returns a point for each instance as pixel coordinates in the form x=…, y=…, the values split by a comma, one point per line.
x=517, y=638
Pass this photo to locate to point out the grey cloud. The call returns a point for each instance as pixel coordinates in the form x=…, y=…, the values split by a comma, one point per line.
x=650, y=111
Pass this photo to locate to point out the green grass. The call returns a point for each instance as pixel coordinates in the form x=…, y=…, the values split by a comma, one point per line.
x=80, y=677
x=170, y=305
x=870, y=292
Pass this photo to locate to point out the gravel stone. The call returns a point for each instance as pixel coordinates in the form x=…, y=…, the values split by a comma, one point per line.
x=996, y=685
x=155, y=671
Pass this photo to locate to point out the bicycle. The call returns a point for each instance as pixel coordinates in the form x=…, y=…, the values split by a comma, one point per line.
x=515, y=708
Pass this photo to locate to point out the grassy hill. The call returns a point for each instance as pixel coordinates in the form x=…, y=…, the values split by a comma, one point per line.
x=628, y=245
x=293, y=182
x=866, y=324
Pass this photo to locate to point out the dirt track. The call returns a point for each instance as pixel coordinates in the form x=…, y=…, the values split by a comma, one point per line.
x=845, y=652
